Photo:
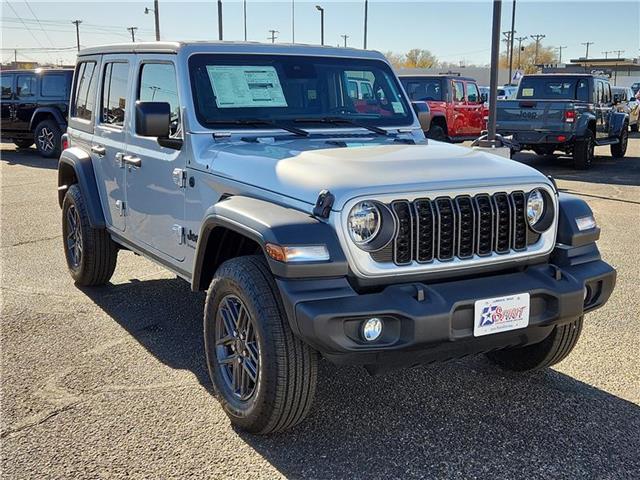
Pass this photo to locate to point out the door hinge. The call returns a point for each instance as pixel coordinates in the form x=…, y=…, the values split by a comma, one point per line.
x=122, y=207
x=179, y=177
x=178, y=231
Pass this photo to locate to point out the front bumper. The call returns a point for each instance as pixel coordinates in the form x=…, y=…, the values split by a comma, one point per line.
x=430, y=322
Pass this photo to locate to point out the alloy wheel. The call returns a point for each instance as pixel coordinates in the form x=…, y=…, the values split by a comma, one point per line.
x=236, y=347
x=46, y=140
x=74, y=236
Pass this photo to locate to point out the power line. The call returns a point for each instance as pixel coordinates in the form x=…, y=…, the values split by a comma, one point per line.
x=38, y=20
x=25, y=25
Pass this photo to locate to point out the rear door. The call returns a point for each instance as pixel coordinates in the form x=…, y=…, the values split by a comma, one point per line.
x=7, y=101
x=109, y=143
x=475, y=110
x=603, y=108
x=459, y=125
x=154, y=174
x=26, y=101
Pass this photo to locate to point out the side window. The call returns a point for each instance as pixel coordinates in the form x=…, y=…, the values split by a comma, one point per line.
x=85, y=91
x=158, y=84
x=458, y=91
x=53, y=86
x=367, y=91
x=472, y=93
x=114, y=94
x=582, y=90
x=607, y=92
x=26, y=86
x=7, y=86
x=352, y=88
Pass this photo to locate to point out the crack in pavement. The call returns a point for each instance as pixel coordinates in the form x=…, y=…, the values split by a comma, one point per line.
x=27, y=242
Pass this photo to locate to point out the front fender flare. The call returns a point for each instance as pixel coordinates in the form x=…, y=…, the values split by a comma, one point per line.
x=266, y=222
x=78, y=161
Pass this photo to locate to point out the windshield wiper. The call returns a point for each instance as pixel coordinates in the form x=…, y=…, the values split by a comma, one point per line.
x=257, y=122
x=339, y=120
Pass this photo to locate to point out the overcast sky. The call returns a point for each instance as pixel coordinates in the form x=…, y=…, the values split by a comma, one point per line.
x=452, y=30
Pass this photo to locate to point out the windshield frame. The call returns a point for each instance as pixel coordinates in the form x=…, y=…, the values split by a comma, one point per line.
x=199, y=59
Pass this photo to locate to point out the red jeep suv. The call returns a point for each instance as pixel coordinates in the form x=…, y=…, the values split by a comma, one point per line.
x=458, y=112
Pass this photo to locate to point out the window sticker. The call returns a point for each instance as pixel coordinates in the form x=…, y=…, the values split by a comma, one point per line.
x=246, y=86
x=527, y=92
x=397, y=107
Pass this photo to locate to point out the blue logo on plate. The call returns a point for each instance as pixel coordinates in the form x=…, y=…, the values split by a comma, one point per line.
x=486, y=318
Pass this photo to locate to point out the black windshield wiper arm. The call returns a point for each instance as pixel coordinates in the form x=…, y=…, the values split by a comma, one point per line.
x=257, y=121
x=339, y=120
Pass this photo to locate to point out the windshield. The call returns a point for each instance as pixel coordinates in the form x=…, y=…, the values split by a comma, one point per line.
x=423, y=89
x=554, y=88
x=286, y=89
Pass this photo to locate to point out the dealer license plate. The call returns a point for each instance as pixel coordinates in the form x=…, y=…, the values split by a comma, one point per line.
x=501, y=314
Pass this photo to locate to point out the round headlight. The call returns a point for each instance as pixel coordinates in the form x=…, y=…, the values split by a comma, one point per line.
x=535, y=207
x=364, y=222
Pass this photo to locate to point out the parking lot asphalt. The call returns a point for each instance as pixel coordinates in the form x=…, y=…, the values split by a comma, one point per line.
x=110, y=382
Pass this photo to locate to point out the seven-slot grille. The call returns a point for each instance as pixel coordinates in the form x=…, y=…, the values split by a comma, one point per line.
x=445, y=228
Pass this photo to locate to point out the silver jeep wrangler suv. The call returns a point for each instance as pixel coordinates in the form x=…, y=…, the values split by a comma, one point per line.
x=318, y=219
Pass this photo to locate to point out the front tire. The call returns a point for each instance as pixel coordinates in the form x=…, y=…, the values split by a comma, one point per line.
x=550, y=351
x=91, y=254
x=436, y=132
x=48, y=138
x=634, y=127
x=263, y=375
x=584, y=151
x=620, y=149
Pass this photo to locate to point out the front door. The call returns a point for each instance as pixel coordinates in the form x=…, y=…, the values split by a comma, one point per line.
x=603, y=107
x=155, y=189
x=26, y=91
x=109, y=144
x=475, y=110
x=458, y=127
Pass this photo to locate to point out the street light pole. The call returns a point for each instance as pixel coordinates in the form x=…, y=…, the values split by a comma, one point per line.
x=321, y=10
x=77, y=24
x=366, y=17
x=513, y=33
x=493, y=82
x=220, y=20
x=156, y=12
x=345, y=40
x=244, y=9
x=293, y=21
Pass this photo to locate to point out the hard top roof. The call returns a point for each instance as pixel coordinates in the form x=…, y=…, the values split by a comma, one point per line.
x=436, y=75
x=36, y=70
x=230, y=47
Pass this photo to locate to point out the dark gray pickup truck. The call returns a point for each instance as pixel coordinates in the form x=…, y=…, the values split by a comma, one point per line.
x=570, y=113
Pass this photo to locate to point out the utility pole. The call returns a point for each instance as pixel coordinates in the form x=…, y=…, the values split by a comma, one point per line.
x=520, y=40
x=321, y=10
x=586, y=56
x=493, y=82
x=513, y=34
x=244, y=9
x=509, y=42
x=273, y=35
x=77, y=24
x=220, y=20
x=15, y=57
x=606, y=53
x=618, y=52
x=156, y=14
x=293, y=21
x=537, y=38
x=366, y=17
x=133, y=33
x=345, y=40
x=560, y=48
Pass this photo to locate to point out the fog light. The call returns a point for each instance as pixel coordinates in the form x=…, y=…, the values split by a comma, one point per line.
x=371, y=329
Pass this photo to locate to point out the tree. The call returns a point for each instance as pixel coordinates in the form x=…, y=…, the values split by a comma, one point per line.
x=395, y=59
x=420, y=58
x=528, y=57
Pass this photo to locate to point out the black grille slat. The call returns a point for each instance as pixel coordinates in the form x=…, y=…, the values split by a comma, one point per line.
x=462, y=227
x=402, y=247
x=465, y=227
x=446, y=221
x=503, y=222
x=518, y=204
x=485, y=224
x=425, y=230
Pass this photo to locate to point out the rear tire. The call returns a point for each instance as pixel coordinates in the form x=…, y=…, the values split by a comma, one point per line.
x=550, y=351
x=91, y=254
x=584, y=151
x=620, y=149
x=436, y=132
x=544, y=151
x=274, y=384
x=47, y=137
x=634, y=127
x=23, y=142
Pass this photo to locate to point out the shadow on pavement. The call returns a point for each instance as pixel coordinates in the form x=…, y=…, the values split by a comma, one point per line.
x=28, y=157
x=460, y=419
x=605, y=169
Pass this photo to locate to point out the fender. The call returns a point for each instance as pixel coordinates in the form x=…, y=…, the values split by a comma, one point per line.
x=583, y=123
x=42, y=112
x=571, y=207
x=266, y=222
x=75, y=166
x=616, y=123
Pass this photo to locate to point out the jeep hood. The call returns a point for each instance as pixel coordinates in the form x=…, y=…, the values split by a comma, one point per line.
x=300, y=169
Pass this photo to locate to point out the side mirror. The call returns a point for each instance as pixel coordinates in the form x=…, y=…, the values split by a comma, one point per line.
x=423, y=113
x=616, y=98
x=153, y=119
x=484, y=97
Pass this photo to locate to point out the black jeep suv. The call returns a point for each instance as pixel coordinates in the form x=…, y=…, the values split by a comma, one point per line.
x=35, y=104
